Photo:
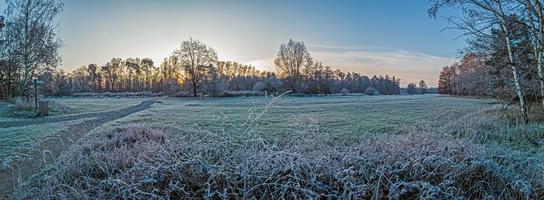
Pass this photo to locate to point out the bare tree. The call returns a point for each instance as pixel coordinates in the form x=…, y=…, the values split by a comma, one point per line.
x=197, y=58
x=292, y=58
x=33, y=41
x=535, y=21
x=422, y=87
x=411, y=88
x=147, y=68
x=94, y=74
x=478, y=18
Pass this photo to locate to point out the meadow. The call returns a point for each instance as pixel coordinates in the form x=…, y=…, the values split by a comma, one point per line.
x=352, y=146
x=341, y=116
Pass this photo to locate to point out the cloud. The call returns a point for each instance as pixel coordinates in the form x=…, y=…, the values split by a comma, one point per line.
x=408, y=65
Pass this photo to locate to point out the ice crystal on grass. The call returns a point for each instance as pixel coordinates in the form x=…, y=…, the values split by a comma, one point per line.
x=143, y=163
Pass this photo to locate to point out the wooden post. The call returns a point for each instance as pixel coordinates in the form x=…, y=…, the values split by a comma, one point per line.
x=44, y=108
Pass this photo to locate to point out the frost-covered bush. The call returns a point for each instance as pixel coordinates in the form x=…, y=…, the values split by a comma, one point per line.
x=371, y=91
x=242, y=93
x=22, y=104
x=259, y=87
x=146, y=163
x=344, y=91
x=119, y=94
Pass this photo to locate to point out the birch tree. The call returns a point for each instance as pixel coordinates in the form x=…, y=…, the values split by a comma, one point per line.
x=33, y=42
x=535, y=21
x=477, y=19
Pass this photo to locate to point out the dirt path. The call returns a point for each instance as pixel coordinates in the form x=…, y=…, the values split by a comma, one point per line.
x=49, y=149
x=111, y=114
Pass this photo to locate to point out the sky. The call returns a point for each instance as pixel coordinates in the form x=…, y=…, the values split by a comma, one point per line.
x=372, y=37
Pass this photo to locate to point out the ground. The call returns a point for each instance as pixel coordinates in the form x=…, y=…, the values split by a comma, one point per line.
x=340, y=116
x=345, y=118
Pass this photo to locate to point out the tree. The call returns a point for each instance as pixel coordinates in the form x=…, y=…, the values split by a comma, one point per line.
x=535, y=21
x=147, y=68
x=94, y=74
x=411, y=88
x=33, y=41
x=197, y=58
x=291, y=60
x=479, y=17
x=422, y=87
x=215, y=82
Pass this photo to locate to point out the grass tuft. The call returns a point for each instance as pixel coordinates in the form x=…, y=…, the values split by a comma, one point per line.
x=143, y=163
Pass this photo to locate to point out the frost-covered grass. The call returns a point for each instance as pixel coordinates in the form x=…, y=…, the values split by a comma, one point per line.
x=147, y=163
x=92, y=104
x=341, y=116
x=348, y=147
x=15, y=139
x=67, y=106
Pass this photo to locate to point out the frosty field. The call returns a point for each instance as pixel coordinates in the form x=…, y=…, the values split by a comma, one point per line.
x=341, y=116
x=218, y=134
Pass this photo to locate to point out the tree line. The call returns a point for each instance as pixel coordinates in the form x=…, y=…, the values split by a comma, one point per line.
x=504, y=55
x=29, y=51
x=195, y=69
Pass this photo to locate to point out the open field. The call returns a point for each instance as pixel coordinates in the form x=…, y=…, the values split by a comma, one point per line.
x=342, y=116
x=306, y=138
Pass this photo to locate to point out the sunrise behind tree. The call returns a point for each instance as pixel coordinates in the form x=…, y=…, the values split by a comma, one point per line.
x=392, y=99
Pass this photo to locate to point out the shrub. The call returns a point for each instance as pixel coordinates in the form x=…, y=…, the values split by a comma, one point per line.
x=144, y=163
x=371, y=91
x=22, y=104
x=259, y=87
x=344, y=91
x=119, y=94
x=242, y=93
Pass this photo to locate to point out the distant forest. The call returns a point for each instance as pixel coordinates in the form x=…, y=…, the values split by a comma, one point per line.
x=194, y=70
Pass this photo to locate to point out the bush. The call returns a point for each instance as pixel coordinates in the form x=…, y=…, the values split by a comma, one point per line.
x=22, y=104
x=242, y=93
x=119, y=94
x=371, y=91
x=344, y=91
x=144, y=163
x=259, y=87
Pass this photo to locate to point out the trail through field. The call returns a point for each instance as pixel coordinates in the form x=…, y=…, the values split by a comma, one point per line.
x=108, y=114
x=49, y=149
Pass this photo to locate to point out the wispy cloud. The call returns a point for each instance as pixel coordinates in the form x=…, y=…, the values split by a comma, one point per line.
x=409, y=66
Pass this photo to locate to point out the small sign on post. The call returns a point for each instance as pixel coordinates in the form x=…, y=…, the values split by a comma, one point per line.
x=36, y=82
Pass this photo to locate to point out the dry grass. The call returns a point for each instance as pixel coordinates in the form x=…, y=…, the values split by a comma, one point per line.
x=22, y=104
x=492, y=127
x=144, y=163
x=430, y=162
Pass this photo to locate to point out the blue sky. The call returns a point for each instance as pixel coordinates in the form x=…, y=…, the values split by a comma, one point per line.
x=368, y=36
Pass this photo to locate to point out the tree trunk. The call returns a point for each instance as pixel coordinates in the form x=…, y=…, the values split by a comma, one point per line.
x=194, y=92
x=515, y=73
x=541, y=76
x=537, y=6
x=9, y=82
x=519, y=90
